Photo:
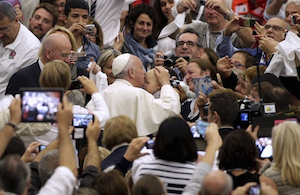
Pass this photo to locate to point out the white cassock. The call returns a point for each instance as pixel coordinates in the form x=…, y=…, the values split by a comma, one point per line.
x=147, y=112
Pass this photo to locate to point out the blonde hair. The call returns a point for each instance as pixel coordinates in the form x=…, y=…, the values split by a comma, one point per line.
x=56, y=74
x=286, y=151
x=251, y=72
x=118, y=130
x=62, y=29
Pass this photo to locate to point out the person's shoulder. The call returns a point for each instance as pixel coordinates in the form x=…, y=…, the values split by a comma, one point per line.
x=28, y=69
x=28, y=38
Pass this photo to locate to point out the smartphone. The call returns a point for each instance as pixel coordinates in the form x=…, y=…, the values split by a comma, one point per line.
x=254, y=190
x=42, y=147
x=78, y=56
x=247, y=22
x=202, y=84
x=82, y=120
x=264, y=144
x=294, y=20
x=149, y=144
x=89, y=28
x=40, y=104
x=199, y=130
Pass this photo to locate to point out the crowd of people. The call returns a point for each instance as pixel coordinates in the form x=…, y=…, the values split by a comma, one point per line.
x=137, y=80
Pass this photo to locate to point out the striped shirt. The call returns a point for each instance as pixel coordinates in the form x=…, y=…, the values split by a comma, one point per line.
x=174, y=175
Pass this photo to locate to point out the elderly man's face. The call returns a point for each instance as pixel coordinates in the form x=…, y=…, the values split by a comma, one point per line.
x=190, y=50
x=275, y=28
x=8, y=30
x=291, y=9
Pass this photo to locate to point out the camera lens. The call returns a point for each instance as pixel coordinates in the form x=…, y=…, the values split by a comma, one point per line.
x=168, y=63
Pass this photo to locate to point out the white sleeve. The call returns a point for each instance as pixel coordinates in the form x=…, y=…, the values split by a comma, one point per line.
x=62, y=182
x=100, y=79
x=101, y=109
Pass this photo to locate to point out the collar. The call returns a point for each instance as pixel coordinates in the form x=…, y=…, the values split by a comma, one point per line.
x=41, y=65
x=226, y=127
x=17, y=40
x=118, y=146
x=123, y=81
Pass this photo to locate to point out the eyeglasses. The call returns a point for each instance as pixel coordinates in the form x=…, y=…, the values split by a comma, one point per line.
x=63, y=55
x=4, y=29
x=238, y=65
x=276, y=28
x=62, y=5
x=188, y=43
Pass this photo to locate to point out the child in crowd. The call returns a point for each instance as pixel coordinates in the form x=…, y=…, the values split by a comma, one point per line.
x=153, y=86
x=254, y=92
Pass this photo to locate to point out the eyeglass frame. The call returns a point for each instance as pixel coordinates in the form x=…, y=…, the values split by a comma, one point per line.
x=63, y=55
x=62, y=5
x=187, y=43
x=274, y=27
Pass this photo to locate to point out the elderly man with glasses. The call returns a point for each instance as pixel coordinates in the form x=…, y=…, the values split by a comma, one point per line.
x=188, y=45
x=268, y=36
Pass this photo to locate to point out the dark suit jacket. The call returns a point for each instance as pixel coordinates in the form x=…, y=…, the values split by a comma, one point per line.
x=25, y=77
x=29, y=77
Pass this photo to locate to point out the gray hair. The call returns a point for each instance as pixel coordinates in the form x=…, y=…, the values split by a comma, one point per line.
x=7, y=10
x=224, y=189
x=296, y=2
x=47, y=165
x=76, y=97
x=14, y=174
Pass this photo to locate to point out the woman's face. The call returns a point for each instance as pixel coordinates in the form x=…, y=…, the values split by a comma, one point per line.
x=166, y=7
x=107, y=69
x=193, y=71
x=142, y=27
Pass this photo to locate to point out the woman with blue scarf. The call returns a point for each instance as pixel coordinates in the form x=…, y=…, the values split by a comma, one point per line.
x=140, y=41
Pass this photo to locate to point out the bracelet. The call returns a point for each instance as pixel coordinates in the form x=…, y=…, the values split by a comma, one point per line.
x=228, y=16
x=12, y=125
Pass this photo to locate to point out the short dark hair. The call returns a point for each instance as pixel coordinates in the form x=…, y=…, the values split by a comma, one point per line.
x=111, y=182
x=7, y=10
x=75, y=4
x=137, y=11
x=225, y=104
x=190, y=30
x=14, y=174
x=212, y=56
x=249, y=58
x=49, y=8
x=15, y=146
x=174, y=141
x=238, y=151
x=280, y=96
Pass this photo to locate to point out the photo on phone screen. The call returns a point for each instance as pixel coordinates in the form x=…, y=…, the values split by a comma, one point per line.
x=264, y=144
x=40, y=105
x=42, y=147
x=202, y=84
x=82, y=120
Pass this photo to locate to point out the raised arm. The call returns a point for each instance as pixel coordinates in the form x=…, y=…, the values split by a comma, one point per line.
x=66, y=150
x=9, y=129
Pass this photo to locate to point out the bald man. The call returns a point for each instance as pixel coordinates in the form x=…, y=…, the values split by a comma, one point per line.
x=216, y=183
x=55, y=47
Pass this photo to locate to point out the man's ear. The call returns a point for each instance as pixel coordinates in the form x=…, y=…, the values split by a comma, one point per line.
x=216, y=117
x=200, y=52
x=131, y=73
x=47, y=53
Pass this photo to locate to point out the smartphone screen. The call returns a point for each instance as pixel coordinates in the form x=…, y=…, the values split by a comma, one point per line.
x=82, y=120
x=264, y=144
x=202, y=84
x=40, y=105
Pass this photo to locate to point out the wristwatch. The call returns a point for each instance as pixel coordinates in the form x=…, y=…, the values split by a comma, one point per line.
x=228, y=16
x=12, y=125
